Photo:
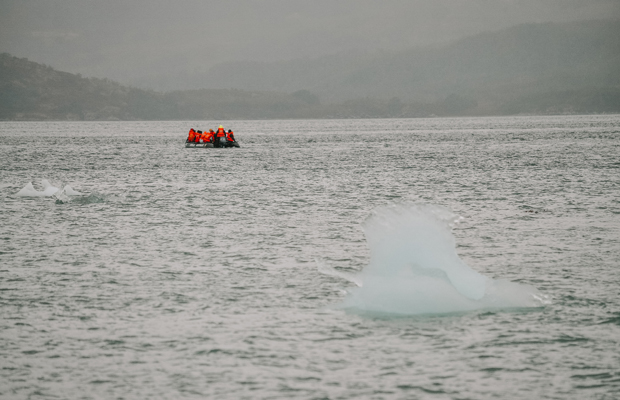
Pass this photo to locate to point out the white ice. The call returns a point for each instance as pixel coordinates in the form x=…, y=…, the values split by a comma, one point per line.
x=48, y=190
x=414, y=269
x=70, y=192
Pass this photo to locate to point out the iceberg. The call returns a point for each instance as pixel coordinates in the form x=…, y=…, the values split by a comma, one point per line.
x=414, y=269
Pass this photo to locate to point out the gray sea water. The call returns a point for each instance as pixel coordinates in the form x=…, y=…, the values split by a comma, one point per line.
x=200, y=273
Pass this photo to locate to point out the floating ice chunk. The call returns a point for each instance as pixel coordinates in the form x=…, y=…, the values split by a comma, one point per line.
x=61, y=197
x=416, y=238
x=48, y=189
x=29, y=191
x=414, y=268
x=68, y=190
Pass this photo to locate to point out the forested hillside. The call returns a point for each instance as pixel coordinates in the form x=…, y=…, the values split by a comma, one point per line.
x=32, y=91
x=531, y=69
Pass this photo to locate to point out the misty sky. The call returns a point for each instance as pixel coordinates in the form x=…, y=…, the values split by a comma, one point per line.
x=132, y=41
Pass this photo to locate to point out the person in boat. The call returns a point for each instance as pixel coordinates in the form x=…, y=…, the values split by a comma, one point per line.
x=219, y=137
x=208, y=136
x=198, y=137
x=191, y=136
x=230, y=138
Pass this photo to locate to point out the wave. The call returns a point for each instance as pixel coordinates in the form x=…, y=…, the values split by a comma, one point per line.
x=414, y=269
x=85, y=199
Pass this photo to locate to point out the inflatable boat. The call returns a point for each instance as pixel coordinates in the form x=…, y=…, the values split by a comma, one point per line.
x=210, y=145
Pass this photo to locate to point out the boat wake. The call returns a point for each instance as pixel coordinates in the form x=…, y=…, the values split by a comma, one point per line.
x=414, y=269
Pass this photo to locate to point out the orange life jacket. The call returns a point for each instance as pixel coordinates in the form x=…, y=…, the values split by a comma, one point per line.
x=191, y=136
x=198, y=137
x=220, y=132
x=208, y=137
x=230, y=137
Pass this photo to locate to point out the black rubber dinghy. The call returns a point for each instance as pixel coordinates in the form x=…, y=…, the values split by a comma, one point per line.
x=194, y=145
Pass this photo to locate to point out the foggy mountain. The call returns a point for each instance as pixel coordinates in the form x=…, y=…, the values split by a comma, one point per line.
x=550, y=68
x=166, y=45
x=525, y=59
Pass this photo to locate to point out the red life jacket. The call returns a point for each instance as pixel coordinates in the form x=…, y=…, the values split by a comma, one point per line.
x=230, y=137
x=191, y=136
x=220, y=132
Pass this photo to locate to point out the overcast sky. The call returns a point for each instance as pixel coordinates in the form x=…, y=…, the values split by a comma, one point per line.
x=132, y=39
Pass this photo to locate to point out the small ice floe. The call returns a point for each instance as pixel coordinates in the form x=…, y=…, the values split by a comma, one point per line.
x=66, y=195
x=30, y=191
x=48, y=190
x=70, y=192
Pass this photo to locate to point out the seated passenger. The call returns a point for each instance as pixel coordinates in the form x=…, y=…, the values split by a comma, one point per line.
x=208, y=136
x=191, y=136
x=230, y=138
x=198, y=136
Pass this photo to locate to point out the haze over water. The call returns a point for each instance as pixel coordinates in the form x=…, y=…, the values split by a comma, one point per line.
x=219, y=273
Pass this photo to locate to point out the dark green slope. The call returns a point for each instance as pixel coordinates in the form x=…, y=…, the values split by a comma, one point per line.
x=31, y=91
